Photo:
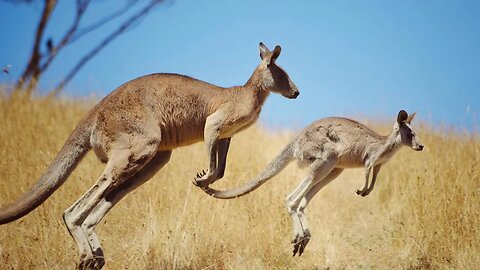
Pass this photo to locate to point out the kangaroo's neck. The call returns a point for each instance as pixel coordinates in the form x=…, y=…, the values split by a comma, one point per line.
x=256, y=88
x=386, y=147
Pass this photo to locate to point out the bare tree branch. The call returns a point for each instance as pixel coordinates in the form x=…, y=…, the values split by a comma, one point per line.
x=122, y=28
x=31, y=71
x=39, y=62
x=81, y=6
x=80, y=33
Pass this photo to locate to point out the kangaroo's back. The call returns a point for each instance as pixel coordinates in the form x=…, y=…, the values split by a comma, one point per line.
x=176, y=105
x=347, y=139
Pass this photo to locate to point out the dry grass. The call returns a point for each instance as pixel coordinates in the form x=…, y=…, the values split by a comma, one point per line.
x=423, y=214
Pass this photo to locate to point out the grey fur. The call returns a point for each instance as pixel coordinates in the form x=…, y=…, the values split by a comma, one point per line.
x=328, y=146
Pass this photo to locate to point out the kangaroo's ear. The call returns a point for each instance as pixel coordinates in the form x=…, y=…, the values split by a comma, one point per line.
x=264, y=51
x=276, y=53
x=410, y=117
x=402, y=117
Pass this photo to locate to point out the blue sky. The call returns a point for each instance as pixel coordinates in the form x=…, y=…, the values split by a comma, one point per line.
x=349, y=58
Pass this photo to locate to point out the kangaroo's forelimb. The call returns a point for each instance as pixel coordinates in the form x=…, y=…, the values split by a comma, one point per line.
x=222, y=151
x=366, y=190
x=368, y=169
x=212, y=132
x=218, y=163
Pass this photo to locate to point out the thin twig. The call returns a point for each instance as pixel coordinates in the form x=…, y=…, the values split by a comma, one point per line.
x=122, y=28
x=103, y=21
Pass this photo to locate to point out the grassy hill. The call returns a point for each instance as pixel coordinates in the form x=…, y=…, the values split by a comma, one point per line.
x=423, y=214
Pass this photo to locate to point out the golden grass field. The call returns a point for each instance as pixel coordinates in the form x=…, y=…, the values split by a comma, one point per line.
x=423, y=214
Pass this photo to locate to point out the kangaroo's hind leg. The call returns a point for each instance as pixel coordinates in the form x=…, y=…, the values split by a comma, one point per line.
x=303, y=204
x=320, y=184
x=318, y=170
x=114, y=196
x=123, y=165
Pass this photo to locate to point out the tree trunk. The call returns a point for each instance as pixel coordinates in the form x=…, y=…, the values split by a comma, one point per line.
x=32, y=72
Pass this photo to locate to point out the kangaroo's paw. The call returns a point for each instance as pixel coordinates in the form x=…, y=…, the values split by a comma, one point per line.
x=300, y=241
x=361, y=192
x=201, y=180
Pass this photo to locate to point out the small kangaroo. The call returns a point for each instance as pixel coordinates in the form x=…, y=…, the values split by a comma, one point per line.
x=328, y=146
x=134, y=130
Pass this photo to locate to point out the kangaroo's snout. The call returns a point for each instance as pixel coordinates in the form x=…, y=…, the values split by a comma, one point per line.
x=295, y=94
x=418, y=147
x=292, y=94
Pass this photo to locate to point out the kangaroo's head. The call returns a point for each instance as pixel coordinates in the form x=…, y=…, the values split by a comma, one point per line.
x=405, y=133
x=272, y=77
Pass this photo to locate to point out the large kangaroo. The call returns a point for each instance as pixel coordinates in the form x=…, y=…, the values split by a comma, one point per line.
x=134, y=130
x=328, y=146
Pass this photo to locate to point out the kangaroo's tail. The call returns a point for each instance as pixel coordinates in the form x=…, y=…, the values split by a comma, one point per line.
x=273, y=168
x=72, y=152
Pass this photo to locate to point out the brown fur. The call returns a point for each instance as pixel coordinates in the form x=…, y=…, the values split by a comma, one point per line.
x=135, y=128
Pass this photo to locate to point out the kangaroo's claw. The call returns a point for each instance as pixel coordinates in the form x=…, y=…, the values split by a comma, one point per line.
x=198, y=181
x=299, y=246
x=300, y=242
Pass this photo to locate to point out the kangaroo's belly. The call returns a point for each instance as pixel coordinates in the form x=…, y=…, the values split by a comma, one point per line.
x=181, y=132
x=350, y=159
x=349, y=163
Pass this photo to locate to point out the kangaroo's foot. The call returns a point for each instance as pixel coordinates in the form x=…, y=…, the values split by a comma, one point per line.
x=203, y=179
x=95, y=262
x=363, y=192
x=300, y=241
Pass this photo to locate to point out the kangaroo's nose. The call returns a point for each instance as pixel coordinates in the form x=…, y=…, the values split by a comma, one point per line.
x=420, y=147
x=295, y=94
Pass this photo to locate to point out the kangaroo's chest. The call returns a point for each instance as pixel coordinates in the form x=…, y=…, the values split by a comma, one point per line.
x=240, y=123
